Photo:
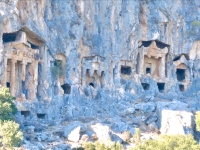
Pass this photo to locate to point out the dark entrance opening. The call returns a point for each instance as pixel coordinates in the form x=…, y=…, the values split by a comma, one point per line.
x=41, y=116
x=25, y=113
x=67, y=88
x=161, y=87
x=148, y=70
x=181, y=87
x=33, y=46
x=9, y=37
x=126, y=70
x=91, y=84
x=145, y=86
x=8, y=84
x=180, y=73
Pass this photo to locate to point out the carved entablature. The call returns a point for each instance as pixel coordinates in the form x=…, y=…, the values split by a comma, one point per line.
x=94, y=63
x=155, y=51
x=181, y=59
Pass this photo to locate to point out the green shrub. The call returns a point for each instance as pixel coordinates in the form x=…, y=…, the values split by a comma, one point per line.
x=101, y=146
x=89, y=146
x=127, y=136
x=195, y=23
x=173, y=142
x=7, y=106
x=58, y=70
x=137, y=136
x=10, y=134
x=197, y=120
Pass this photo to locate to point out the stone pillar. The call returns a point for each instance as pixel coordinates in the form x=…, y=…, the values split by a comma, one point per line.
x=83, y=78
x=5, y=73
x=12, y=77
x=162, y=67
x=35, y=72
x=141, y=69
x=23, y=70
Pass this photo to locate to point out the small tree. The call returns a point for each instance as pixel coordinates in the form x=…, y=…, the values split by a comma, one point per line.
x=197, y=120
x=10, y=133
x=58, y=70
x=7, y=106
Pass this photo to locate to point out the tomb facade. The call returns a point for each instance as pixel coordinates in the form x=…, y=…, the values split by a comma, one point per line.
x=181, y=63
x=93, y=71
x=151, y=59
x=21, y=58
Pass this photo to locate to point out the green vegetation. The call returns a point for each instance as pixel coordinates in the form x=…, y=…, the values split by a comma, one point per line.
x=101, y=146
x=7, y=107
x=10, y=134
x=173, y=142
x=127, y=136
x=195, y=23
x=136, y=136
x=197, y=120
x=58, y=70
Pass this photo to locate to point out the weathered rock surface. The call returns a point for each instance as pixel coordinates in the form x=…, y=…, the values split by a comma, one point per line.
x=92, y=70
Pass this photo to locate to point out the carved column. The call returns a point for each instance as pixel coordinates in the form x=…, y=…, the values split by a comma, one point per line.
x=35, y=77
x=141, y=67
x=162, y=67
x=35, y=71
x=23, y=70
x=5, y=72
x=12, y=77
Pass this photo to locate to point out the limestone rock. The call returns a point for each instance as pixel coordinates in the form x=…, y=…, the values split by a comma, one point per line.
x=73, y=130
x=176, y=122
x=84, y=138
x=102, y=132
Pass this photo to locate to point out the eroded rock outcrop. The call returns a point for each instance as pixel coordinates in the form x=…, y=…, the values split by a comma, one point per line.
x=122, y=64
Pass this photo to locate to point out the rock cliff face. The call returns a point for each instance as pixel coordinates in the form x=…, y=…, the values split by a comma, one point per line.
x=121, y=63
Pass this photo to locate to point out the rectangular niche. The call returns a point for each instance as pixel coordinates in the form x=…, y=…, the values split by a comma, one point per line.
x=41, y=116
x=161, y=87
x=8, y=84
x=9, y=37
x=67, y=88
x=126, y=70
x=148, y=68
x=145, y=86
x=180, y=73
x=181, y=87
x=25, y=113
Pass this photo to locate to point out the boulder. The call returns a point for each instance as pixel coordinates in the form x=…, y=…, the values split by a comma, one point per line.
x=72, y=131
x=153, y=126
x=175, y=117
x=146, y=107
x=84, y=138
x=150, y=119
x=74, y=135
x=43, y=136
x=29, y=129
x=63, y=146
x=102, y=131
x=176, y=122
